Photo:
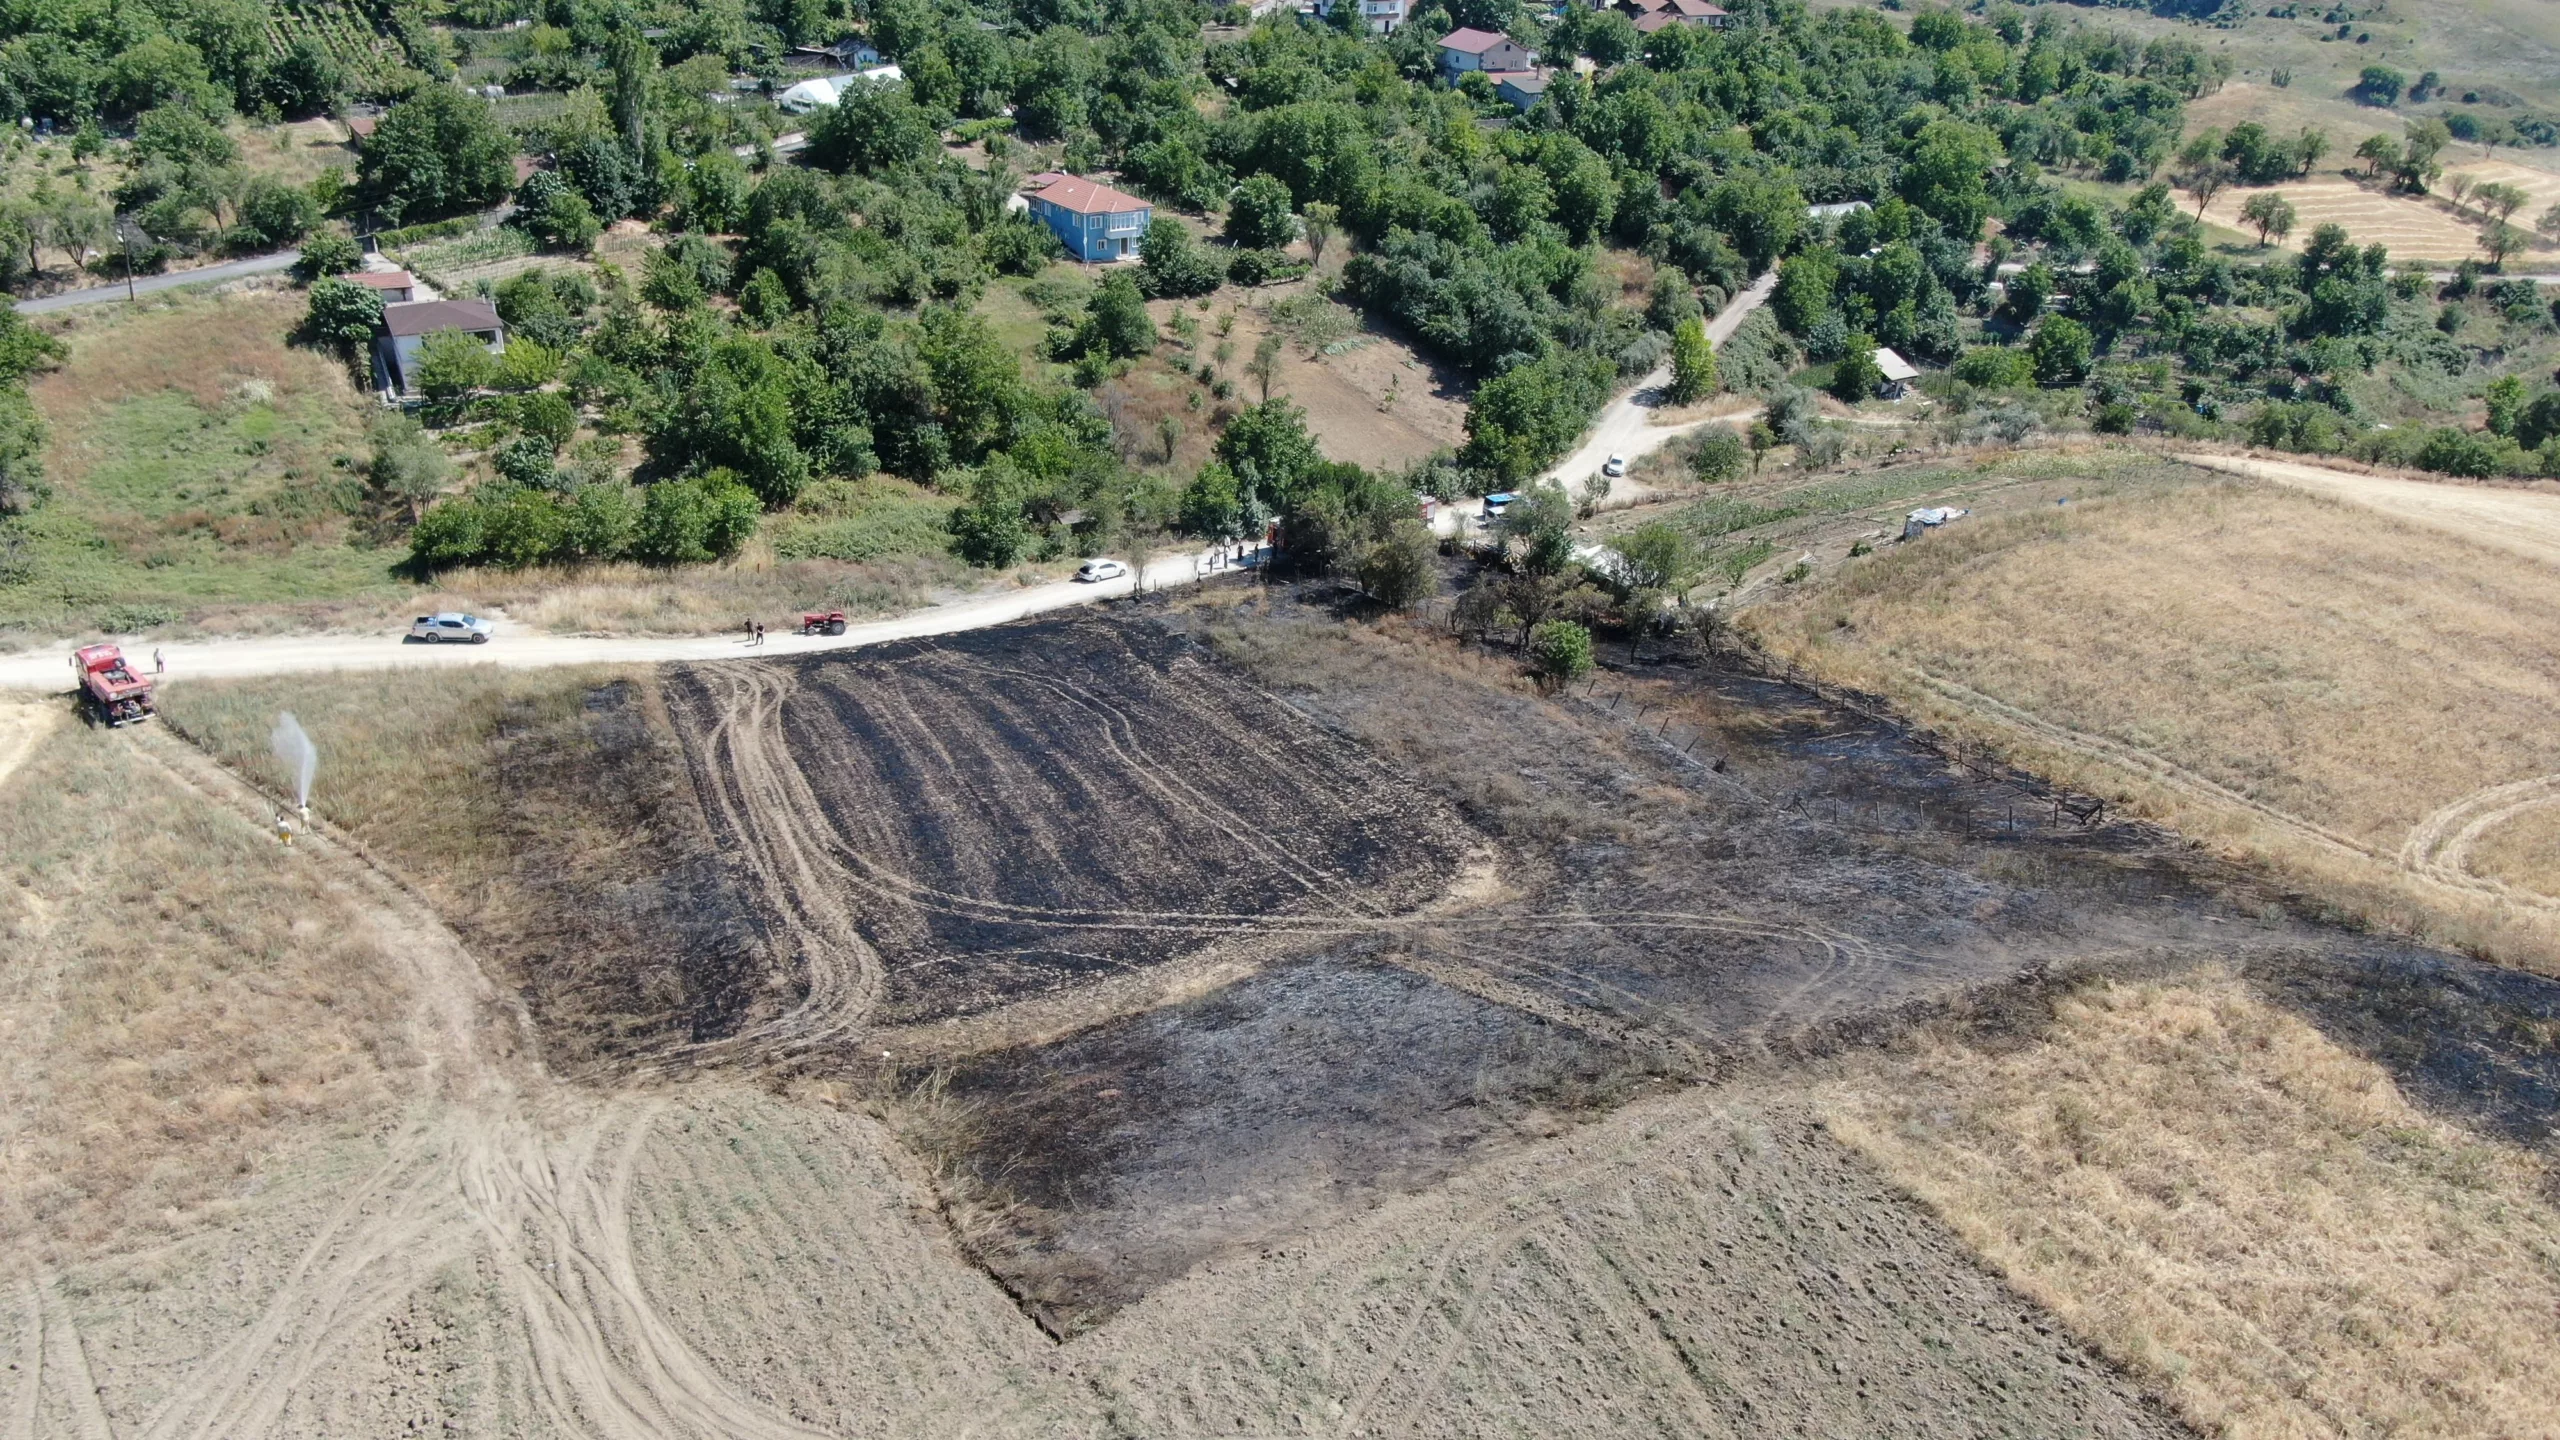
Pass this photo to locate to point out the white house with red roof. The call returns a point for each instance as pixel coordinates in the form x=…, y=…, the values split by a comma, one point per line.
x=1653, y=15
x=1468, y=49
x=1098, y=224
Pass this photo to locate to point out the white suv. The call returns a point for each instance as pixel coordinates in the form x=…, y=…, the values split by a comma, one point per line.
x=452, y=628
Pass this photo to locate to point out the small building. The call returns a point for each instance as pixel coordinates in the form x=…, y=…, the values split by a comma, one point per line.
x=405, y=329
x=1522, y=89
x=850, y=53
x=1837, y=210
x=824, y=93
x=1098, y=224
x=1384, y=17
x=1653, y=15
x=1898, y=374
x=1465, y=50
x=360, y=128
x=397, y=287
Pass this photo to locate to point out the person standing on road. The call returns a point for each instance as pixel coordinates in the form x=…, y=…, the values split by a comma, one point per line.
x=159, y=663
x=751, y=632
x=759, y=632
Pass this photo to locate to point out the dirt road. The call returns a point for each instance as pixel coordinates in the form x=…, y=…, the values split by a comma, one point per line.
x=154, y=284
x=48, y=669
x=1626, y=428
x=2521, y=522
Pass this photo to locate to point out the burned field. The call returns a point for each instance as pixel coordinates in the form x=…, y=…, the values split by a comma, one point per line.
x=1172, y=934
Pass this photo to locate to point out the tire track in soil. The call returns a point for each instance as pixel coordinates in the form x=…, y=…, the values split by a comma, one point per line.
x=2436, y=850
x=762, y=795
x=2439, y=847
x=515, y=1167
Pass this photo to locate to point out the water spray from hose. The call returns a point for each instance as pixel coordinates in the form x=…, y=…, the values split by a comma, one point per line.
x=299, y=755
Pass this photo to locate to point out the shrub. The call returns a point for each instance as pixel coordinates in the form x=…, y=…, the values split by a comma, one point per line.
x=703, y=517
x=1171, y=264
x=2448, y=451
x=1560, y=651
x=325, y=254
x=1720, y=457
x=342, y=313
x=526, y=460
x=1994, y=367
x=1401, y=570
x=1856, y=376
x=2060, y=352
x=1261, y=267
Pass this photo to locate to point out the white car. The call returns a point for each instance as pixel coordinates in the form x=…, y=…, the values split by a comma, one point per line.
x=1092, y=571
x=450, y=628
x=1615, y=466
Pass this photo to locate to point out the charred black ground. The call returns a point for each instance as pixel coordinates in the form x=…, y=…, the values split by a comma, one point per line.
x=1432, y=912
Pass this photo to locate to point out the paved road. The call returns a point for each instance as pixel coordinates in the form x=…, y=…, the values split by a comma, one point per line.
x=154, y=284
x=49, y=668
x=1626, y=427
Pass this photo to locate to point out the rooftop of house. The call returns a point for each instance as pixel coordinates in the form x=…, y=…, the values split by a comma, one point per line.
x=425, y=317
x=1894, y=366
x=1471, y=42
x=1531, y=82
x=1081, y=196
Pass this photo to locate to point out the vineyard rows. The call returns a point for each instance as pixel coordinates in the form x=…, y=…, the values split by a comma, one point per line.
x=340, y=29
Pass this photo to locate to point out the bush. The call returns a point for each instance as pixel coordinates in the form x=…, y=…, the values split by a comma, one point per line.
x=342, y=313
x=2060, y=352
x=1560, y=652
x=1258, y=214
x=1262, y=267
x=446, y=536
x=1720, y=456
x=1994, y=367
x=1403, y=569
x=2448, y=451
x=526, y=460
x=325, y=254
x=1172, y=265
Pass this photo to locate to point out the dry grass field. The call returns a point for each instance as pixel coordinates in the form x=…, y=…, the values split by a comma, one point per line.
x=2237, y=1210
x=2293, y=678
x=2413, y=227
x=179, y=1003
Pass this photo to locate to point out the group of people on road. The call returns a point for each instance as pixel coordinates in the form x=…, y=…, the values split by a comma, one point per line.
x=755, y=632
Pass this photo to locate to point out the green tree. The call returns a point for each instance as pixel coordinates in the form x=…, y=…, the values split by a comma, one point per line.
x=2380, y=85
x=1948, y=174
x=1559, y=652
x=2060, y=352
x=1656, y=557
x=1525, y=417
x=439, y=152
x=409, y=469
x=327, y=253
x=1693, y=363
x=1213, y=504
x=1116, y=322
x=1265, y=364
x=2271, y=213
x=1260, y=215
x=2506, y=397
x=1320, y=224
x=1403, y=569
x=1856, y=376
x=695, y=519
x=452, y=364
x=1171, y=264
x=872, y=127
x=342, y=313
x=1269, y=452
x=1720, y=456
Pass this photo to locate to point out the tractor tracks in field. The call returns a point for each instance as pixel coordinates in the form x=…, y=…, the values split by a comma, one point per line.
x=498, y=1161
x=816, y=889
x=2437, y=850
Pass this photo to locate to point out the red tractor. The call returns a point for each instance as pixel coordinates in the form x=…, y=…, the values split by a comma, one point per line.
x=822, y=622
x=111, y=692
